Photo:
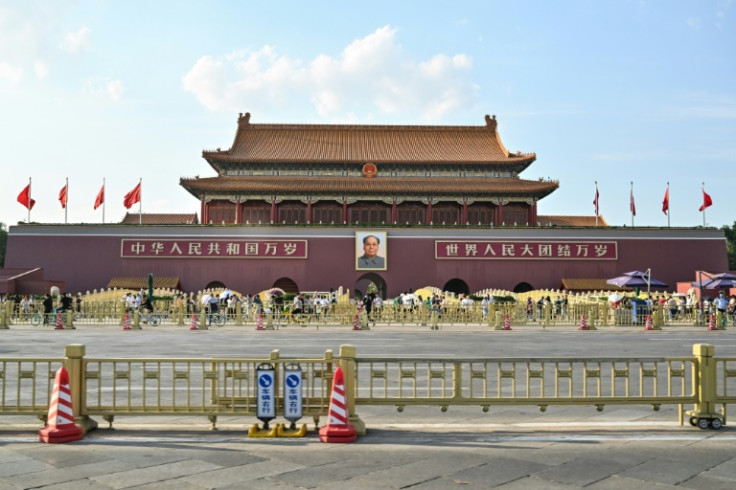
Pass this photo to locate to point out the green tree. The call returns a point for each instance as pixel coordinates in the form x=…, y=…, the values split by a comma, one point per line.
x=730, y=232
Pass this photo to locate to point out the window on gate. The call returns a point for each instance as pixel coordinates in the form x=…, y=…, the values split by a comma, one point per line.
x=222, y=213
x=293, y=212
x=446, y=213
x=480, y=213
x=411, y=213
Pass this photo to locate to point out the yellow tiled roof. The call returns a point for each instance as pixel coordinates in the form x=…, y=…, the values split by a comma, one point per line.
x=142, y=282
x=326, y=143
x=160, y=219
x=571, y=220
x=578, y=284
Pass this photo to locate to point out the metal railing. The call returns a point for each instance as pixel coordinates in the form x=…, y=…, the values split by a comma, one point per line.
x=599, y=313
x=226, y=386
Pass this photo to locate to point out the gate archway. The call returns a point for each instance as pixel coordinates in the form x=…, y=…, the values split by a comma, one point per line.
x=364, y=282
x=457, y=286
x=286, y=284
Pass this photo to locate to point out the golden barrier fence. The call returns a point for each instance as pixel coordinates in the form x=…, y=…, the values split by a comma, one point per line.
x=227, y=386
x=599, y=313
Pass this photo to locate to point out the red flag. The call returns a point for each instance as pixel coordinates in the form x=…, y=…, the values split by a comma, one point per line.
x=133, y=196
x=100, y=197
x=707, y=201
x=25, y=198
x=666, y=202
x=595, y=201
x=632, y=206
x=63, y=195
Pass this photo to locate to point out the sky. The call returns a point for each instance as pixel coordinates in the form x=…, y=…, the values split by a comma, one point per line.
x=626, y=93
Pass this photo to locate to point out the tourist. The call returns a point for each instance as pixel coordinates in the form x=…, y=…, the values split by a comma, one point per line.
x=48, y=307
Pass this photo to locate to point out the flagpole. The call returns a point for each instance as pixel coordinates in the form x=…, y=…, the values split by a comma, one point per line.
x=103, y=200
x=703, y=191
x=631, y=204
x=66, y=203
x=29, y=200
x=140, y=202
x=596, y=203
x=668, y=204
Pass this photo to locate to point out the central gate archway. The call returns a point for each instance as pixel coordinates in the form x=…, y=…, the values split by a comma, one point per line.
x=364, y=282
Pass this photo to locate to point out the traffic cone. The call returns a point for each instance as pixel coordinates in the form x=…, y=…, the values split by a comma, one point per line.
x=59, y=322
x=583, y=323
x=712, y=323
x=60, y=426
x=356, y=323
x=259, y=322
x=337, y=428
x=507, y=323
x=194, y=323
x=126, y=324
x=648, y=325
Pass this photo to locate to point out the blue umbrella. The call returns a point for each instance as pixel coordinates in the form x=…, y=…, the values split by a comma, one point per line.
x=636, y=279
x=723, y=280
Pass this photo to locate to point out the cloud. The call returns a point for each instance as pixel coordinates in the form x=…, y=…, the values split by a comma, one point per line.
x=76, y=42
x=104, y=88
x=371, y=74
x=10, y=72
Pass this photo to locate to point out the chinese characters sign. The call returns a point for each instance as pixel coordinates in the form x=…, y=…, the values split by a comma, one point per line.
x=209, y=249
x=505, y=250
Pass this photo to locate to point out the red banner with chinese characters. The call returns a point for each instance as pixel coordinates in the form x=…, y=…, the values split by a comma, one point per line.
x=211, y=249
x=529, y=250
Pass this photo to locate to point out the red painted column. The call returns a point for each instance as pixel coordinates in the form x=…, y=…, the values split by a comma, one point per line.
x=499, y=214
x=274, y=216
x=344, y=212
x=394, y=212
x=238, y=212
x=465, y=213
x=309, y=212
x=428, y=216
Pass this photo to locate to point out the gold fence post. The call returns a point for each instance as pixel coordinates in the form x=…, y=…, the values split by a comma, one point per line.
x=180, y=313
x=705, y=380
x=239, y=313
x=74, y=365
x=203, y=318
x=347, y=363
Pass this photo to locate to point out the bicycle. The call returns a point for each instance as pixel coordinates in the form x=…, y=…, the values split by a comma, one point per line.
x=219, y=318
x=152, y=318
x=37, y=318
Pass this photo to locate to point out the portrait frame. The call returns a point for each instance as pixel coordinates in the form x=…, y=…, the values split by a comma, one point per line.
x=360, y=252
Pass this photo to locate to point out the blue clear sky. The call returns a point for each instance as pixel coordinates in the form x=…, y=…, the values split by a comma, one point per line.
x=607, y=91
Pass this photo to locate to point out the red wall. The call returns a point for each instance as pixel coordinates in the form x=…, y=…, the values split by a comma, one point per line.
x=87, y=257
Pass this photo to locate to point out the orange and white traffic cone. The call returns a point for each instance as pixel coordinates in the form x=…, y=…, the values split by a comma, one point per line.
x=60, y=426
x=712, y=323
x=648, y=325
x=507, y=323
x=59, y=322
x=356, y=323
x=583, y=323
x=337, y=428
x=126, y=323
x=259, y=322
x=194, y=323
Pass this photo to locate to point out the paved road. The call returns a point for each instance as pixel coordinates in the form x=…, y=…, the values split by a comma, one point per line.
x=517, y=447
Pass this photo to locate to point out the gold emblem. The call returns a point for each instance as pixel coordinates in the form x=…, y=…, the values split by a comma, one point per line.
x=370, y=170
